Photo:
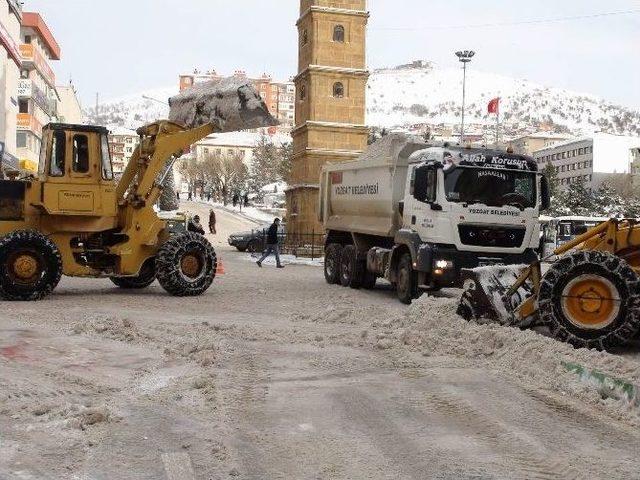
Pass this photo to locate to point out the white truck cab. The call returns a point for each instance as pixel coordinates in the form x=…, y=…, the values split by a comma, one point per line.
x=420, y=214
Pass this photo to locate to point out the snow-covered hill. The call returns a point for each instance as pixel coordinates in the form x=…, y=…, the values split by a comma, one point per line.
x=422, y=93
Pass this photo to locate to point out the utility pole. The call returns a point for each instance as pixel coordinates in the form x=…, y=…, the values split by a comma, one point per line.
x=464, y=57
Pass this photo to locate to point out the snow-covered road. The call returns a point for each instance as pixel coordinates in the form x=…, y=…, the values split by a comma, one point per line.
x=273, y=374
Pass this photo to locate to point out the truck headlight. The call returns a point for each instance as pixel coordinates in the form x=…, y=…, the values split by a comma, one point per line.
x=444, y=264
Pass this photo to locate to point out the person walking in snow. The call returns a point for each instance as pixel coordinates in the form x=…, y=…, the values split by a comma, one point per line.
x=272, y=244
x=212, y=222
x=246, y=200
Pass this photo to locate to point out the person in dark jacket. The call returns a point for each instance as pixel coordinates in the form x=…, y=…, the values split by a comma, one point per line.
x=195, y=226
x=272, y=244
x=212, y=222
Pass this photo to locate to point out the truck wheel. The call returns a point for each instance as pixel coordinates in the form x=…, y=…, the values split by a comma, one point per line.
x=186, y=265
x=591, y=299
x=369, y=279
x=30, y=266
x=332, y=263
x=350, y=273
x=407, y=285
x=146, y=277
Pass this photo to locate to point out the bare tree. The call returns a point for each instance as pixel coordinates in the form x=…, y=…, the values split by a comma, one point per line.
x=225, y=173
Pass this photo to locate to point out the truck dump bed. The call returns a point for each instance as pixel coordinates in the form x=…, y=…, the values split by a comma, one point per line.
x=363, y=196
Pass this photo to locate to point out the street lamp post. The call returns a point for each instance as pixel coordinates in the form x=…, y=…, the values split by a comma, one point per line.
x=465, y=57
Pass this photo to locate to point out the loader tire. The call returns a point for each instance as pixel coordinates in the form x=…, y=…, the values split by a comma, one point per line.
x=332, y=263
x=591, y=299
x=186, y=265
x=146, y=277
x=350, y=272
x=30, y=266
x=407, y=284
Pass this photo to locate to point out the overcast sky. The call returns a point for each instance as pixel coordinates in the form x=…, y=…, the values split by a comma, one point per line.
x=118, y=47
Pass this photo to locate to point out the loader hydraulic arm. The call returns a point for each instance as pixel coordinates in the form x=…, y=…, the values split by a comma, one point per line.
x=160, y=144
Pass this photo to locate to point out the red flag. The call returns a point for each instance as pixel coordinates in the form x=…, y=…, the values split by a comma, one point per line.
x=494, y=105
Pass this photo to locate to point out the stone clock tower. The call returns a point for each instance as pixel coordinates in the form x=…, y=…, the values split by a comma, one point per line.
x=330, y=104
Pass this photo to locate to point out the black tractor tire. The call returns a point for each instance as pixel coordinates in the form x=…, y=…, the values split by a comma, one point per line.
x=332, y=256
x=350, y=272
x=30, y=266
x=567, y=306
x=407, y=280
x=186, y=265
x=145, y=278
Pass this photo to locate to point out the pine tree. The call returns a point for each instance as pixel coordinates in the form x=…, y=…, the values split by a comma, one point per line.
x=264, y=164
x=575, y=200
x=552, y=178
x=285, y=162
x=608, y=202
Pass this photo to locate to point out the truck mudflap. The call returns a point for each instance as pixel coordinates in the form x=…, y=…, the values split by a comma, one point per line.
x=448, y=262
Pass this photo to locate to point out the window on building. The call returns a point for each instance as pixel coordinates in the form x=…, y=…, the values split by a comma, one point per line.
x=27, y=39
x=23, y=105
x=303, y=92
x=338, y=34
x=581, y=151
x=562, y=169
x=56, y=168
x=304, y=38
x=21, y=140
x=338, y=90
x=80, y=161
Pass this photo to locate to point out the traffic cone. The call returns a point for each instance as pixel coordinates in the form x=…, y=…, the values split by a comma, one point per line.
x=220, y=268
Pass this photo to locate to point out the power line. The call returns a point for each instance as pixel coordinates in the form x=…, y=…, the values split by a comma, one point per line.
x=509, y=24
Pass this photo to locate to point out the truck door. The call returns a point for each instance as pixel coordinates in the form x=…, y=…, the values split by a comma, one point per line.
x=422, y=212
x=74, y=176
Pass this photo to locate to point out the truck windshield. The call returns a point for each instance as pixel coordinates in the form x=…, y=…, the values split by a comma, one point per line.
x=491, y=187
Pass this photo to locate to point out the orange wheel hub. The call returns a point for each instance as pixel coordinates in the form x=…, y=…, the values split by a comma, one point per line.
x=590, y=302
x=191, y=265
x=25, y=267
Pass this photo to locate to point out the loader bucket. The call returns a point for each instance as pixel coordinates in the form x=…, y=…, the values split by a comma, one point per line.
x=485, y=294
x=231, y=104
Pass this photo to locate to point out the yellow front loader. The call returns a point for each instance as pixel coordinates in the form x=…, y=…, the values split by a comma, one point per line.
x=589, y=296
x=75, y=219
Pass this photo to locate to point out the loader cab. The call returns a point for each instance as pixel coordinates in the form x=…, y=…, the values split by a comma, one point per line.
x=76, y=171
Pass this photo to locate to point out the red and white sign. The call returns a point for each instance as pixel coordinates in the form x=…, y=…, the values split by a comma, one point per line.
x=10, y=45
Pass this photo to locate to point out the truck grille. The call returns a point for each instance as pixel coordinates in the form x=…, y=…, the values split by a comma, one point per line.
x=483, y=236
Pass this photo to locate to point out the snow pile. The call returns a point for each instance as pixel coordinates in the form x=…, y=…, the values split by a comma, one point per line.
x=432, y=327
x=231, y=104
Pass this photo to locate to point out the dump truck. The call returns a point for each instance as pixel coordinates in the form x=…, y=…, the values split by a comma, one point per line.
x=74, y=219
x=417, y=214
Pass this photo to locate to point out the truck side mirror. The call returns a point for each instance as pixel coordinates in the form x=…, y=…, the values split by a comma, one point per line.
x=545, y=194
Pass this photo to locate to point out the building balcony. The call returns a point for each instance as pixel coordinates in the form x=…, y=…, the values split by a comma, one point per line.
x=33, y=59
x=26, y=121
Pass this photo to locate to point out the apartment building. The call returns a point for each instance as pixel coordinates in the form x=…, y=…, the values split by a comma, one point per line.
x=122, y=143
x=635, y=167
x=590, y=159
x=36, y=92
x=236, y=144
x=533, y=142
x=278, y=96
x=69, y=107
x=10, y=63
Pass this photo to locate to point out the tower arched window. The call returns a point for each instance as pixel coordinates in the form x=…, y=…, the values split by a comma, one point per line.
x=338, y=33
x=303, y=92
x=305, y=37
x=338, y=90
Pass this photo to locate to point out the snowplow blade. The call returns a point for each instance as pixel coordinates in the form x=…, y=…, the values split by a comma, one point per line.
x=231, y=104
x=485, y=294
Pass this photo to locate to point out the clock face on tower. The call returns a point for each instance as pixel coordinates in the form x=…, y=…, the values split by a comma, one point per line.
x=330, y=101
